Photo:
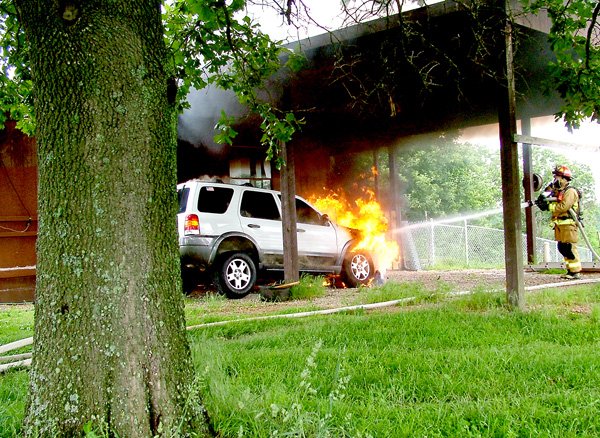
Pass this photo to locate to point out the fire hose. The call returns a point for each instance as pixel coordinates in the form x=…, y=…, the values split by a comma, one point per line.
x=577, y=222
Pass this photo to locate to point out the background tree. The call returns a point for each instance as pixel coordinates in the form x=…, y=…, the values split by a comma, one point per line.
x=448, y=178
x=439, y=177
x=575, y=41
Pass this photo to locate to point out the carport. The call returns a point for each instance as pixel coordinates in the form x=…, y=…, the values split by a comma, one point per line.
x=454, y=93
x=379, y=84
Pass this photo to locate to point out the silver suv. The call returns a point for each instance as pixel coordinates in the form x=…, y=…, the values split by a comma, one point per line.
x=235, y=232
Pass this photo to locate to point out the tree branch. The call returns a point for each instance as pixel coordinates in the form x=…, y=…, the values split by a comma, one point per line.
x=589, y=35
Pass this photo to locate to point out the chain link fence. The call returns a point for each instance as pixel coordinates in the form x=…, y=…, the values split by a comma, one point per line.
x=427, y=245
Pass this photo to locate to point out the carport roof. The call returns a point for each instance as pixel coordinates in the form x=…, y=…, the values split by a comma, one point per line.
x=415, y=73
x=363, y=86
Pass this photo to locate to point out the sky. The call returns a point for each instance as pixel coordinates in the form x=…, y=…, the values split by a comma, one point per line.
x=328, y=13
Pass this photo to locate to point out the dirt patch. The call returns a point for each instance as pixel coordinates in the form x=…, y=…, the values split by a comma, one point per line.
x=457, y=281
x=472, y=278
x=463, y=280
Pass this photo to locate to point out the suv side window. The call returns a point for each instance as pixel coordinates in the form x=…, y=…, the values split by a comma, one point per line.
x=214, y=199
x=306, y=214
x=259, y=205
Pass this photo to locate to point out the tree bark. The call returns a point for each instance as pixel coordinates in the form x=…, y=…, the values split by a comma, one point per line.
x=109, y=344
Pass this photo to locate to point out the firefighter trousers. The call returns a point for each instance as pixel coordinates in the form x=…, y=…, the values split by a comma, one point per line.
x=571, y=256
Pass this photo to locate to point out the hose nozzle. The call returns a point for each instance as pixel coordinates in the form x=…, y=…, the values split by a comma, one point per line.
x=527, y=204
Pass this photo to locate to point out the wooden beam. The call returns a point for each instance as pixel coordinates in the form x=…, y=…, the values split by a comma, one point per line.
x=396, y=213
x=513, y=255
x=18, y=234
x=288, y=207
x=19, y=364
x=18, y=271
x=15, y=357
x=16, y=344
x=18, y=219
x=538, y=141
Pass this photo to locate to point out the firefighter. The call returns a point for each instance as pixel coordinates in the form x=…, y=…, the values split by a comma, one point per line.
x=566, y=232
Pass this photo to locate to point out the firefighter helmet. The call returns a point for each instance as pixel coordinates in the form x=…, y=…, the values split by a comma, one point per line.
x=563, y=171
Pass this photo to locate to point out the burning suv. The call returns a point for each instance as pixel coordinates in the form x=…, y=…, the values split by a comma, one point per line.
x=235, y=232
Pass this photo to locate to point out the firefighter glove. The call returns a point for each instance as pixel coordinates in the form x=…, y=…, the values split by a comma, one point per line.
x=542, y=203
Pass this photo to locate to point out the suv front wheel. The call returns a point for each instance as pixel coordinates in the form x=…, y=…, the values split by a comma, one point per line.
x=236, y=275
x=358, y=269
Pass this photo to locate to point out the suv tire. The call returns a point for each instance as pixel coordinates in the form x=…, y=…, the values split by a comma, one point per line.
x=236, y=275
x=358, y=268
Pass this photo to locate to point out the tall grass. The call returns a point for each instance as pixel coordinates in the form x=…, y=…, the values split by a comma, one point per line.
x=16, y=322
x=13, y=395
x=465, y=366
x=310, y=286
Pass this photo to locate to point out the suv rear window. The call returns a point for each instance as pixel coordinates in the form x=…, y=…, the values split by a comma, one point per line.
x=214, y=199
x=182, y=195
x=259, y=205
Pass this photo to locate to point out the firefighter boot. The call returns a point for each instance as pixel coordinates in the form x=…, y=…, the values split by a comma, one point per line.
x=571, y=276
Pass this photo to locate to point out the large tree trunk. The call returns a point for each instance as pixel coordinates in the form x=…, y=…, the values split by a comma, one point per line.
x=110, y=344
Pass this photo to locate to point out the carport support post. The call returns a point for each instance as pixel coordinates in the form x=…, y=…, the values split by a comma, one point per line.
x=375, y=172
x=288, y=207
x=530, y=228
x=509, y=161
x=396, y=213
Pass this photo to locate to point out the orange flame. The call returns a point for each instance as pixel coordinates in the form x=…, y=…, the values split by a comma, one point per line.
x=366, y=215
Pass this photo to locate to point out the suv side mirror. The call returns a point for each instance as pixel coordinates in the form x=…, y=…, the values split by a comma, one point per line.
x=325, y=219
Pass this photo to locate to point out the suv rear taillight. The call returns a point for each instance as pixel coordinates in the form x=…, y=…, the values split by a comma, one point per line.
x=191, y=224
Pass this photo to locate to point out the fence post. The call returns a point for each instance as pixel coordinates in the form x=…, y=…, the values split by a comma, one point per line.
x=546, y=252
x=466, y=243
x=431, y=244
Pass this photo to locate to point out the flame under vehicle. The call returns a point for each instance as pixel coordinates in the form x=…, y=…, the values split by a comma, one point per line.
x=235, y=233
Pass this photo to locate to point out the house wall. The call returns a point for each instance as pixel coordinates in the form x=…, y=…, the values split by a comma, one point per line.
x=18, y=215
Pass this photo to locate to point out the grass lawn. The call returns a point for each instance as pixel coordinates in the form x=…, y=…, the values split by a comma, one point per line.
x=464, y=366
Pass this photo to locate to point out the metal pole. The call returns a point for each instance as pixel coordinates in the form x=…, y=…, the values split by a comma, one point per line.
x=530, y=228
x=432, y=244
x=466, y=243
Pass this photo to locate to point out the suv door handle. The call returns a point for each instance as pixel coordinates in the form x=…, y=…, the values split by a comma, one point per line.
x=253, y=226
x=300, y=230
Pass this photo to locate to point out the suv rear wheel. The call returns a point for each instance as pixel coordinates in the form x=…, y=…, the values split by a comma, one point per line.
x=358, y=269
x=236, y=275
